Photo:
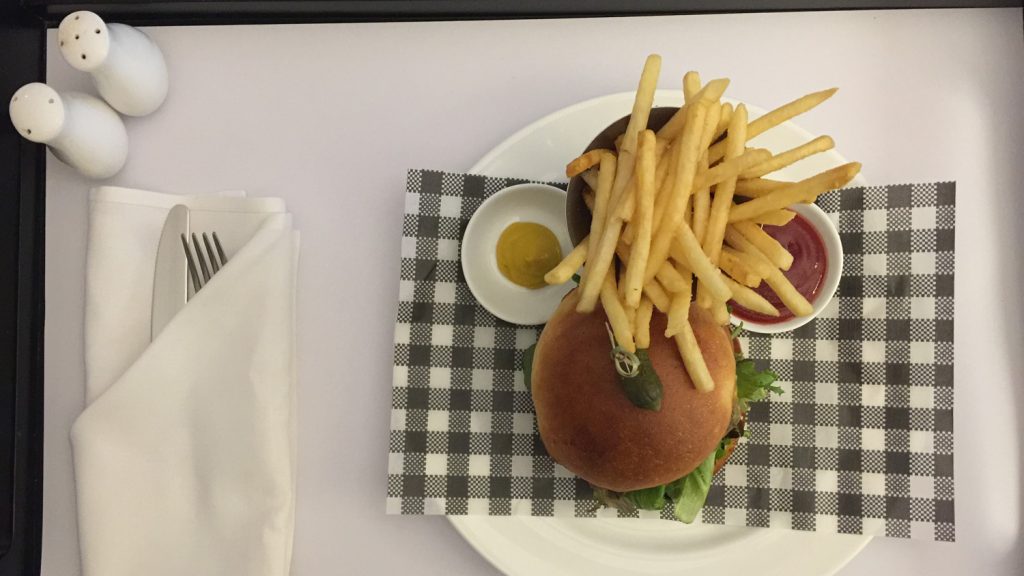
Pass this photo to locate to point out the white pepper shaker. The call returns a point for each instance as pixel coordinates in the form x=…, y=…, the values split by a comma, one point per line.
x=127, y=67
x=81, y=130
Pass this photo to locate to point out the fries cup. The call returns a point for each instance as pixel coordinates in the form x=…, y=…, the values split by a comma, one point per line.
x=577, y=216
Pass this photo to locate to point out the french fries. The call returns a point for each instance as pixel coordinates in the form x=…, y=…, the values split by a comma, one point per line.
x=666, y=228
x=671, y=219
x=723, y=192
x=774, y=218
x=735, y=268
x=751, y=300
x=758, y=187
x=643, y=323
x=641, y=247
x=693, y=360
x=803, y=191
x=679, y=309
x=603, y=191
x=563, y=272
x=776, y=117
x=819, y=144
x=585, y=162
x=778, y=282
x=622, y=328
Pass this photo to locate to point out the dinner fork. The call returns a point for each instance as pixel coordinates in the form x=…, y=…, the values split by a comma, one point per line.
x=203, y=264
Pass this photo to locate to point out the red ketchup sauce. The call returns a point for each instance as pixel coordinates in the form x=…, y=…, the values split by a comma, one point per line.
x=807, y=274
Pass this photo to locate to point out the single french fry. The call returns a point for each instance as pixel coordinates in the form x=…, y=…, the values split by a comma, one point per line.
x=776, y=117
x=780, y=161
x=693, y=360
x=768, y=246
x=702, y=194
x=641, y=247
x=679, y=310
x=774, y=218
x=621, y=327
x=776, y=280
x=736, y=269
x=675, y=205
x=717, y=220
x=701, y=206
x=691, y=85
x=642, y=103
x=602, y=196
x=720, y=312
x=599, y=263
x=658, y=296
x=723, y=121
x=789, y=295
x=671, y=130
x=694, y=258
x=631, y=316
x=642, y=330
x=564, y=270
x=758, y=187
x=641, y=112
x=803, y=191
x=730, y=168
x=585, y=162
x=750, y=299
x=712, y=91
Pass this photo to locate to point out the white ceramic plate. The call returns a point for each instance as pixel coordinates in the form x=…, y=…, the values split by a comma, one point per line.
x=604, y=546
x=539, y=203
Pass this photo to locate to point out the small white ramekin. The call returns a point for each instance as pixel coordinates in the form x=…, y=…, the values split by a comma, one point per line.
x=834, y=271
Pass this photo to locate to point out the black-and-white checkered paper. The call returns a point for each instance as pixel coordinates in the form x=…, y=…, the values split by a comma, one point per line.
x=861, y=441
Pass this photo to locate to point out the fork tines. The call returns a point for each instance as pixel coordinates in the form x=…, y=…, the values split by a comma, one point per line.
x=204, y=259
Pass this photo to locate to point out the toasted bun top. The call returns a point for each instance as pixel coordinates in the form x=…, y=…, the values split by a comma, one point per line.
x=589, y=425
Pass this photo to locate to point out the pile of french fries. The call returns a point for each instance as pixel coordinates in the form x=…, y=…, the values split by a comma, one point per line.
x=663, y=205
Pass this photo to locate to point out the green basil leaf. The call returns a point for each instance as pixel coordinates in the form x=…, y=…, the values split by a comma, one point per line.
x=690, y=491
x=648, y=498
x=643, y=390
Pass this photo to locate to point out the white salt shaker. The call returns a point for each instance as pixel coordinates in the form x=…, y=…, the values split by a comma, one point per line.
x=80, y=130
x=127, y=67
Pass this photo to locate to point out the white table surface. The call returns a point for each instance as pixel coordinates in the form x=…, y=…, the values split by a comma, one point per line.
x=331, y=116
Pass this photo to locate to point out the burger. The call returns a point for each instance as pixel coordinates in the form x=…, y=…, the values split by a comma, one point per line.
x=638, y=456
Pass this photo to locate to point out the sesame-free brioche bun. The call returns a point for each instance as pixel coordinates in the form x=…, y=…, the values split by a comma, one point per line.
x=589, y=425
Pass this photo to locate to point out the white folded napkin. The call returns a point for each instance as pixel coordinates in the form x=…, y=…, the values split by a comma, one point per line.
x=185, y=453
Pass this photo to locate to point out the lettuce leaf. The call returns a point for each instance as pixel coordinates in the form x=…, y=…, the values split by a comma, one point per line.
x=753, y=384
x=689, y=492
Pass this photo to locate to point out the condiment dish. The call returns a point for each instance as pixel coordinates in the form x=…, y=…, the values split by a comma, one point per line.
x=539, y=203
x=823, y=224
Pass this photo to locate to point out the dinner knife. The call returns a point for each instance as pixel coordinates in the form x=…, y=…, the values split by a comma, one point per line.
x=170, y=279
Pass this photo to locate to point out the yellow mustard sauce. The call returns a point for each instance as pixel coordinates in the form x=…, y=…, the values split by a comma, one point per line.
x=526, y=252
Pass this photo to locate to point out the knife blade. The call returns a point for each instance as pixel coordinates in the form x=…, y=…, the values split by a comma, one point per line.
x=170, y=278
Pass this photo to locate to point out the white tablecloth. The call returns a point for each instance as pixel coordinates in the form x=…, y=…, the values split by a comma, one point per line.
x=329, y=117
